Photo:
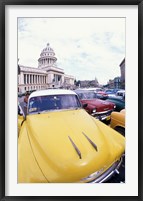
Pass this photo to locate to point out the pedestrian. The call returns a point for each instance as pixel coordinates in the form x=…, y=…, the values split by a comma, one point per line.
x=26, y=102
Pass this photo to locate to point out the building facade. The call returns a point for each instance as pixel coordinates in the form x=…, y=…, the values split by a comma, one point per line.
x=47, y=75
x=118, y=82
x=122, y=69
x=115, y=83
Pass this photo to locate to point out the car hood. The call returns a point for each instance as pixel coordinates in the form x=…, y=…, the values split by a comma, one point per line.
x=100, y=105
x=69, y=145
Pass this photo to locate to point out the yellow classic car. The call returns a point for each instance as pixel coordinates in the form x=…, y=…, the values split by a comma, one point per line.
x=59, y=142
x=118, y=121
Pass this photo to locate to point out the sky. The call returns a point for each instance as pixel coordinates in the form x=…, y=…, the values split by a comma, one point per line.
x=86, y=48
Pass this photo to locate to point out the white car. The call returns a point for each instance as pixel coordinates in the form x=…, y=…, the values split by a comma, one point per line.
x=120, y=93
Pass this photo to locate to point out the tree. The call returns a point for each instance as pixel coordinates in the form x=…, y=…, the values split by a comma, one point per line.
x=18, y=70
x=78, y=83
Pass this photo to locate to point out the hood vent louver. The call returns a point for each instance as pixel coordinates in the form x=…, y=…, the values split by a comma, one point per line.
x=77, y=150
x=91, y=142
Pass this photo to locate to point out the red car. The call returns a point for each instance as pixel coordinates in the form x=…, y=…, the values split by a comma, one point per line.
x=94, y=106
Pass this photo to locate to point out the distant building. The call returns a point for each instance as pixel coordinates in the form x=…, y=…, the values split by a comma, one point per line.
x=111, y=83
x=118, y=82
x=47, y=75
x=88, y=83
x=115, y=83
x=122, y=69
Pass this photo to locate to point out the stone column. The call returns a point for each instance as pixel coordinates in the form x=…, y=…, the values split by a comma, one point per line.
x=40, y=79
x=31, y=79
x=21, y=81
x=47, y=79
x=26, y=78
x=62, y=79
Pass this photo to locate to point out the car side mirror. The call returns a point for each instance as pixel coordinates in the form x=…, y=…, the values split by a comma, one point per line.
x=84, y=105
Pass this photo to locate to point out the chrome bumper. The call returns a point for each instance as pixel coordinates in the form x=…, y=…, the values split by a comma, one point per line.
x=114, y=169
x=103, y=115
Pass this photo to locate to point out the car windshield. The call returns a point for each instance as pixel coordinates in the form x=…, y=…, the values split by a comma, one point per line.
x=53, y=102
x=87, y=95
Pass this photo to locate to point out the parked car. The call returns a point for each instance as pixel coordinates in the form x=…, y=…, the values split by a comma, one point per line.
x=102, y=95
x=98, y=108
x=118, y=121
x=118, y=101
x=95, y=89
x=111, y=92
x=59, y=142
x=121, y=93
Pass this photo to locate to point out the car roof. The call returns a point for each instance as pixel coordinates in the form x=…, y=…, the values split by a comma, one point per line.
x=87, y=89
x=51, y=92
x=109, y=90
x=122, y=90
x=115, y=97
x=83, y=91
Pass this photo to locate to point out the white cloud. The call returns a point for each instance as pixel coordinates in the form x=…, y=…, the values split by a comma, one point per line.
x=85, y=47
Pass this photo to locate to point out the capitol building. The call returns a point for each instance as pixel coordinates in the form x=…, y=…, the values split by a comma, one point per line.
x=47, y=75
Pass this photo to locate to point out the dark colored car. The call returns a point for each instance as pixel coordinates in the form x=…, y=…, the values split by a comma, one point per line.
x=102, y=95
x=111, y=91
x=98, y=108
x=118, y=101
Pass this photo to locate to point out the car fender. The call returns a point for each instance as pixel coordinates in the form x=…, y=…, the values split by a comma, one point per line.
x=117, y=120
x=28, y=169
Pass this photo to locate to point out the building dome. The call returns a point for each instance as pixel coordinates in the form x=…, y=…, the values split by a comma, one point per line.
x=48, y=51
x=47, y=57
